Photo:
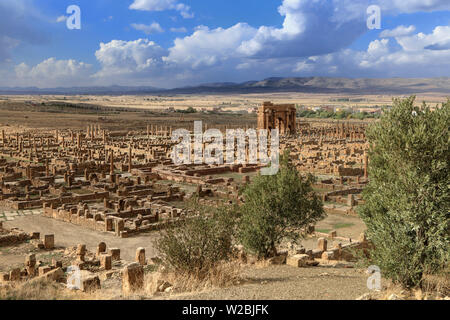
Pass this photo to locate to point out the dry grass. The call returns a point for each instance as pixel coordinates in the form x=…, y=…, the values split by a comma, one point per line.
x=40, y=289
x=439, y=283
x=224, y=275
x=434, y=287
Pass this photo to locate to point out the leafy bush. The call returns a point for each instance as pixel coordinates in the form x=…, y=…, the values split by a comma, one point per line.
x=340, y=115
x=406, y=208
x=200, y=243
x=188, y=110
x=276, y=207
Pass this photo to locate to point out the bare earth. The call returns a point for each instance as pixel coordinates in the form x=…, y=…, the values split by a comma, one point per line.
x=289, y=283
x=268, y=283
x=69, y=235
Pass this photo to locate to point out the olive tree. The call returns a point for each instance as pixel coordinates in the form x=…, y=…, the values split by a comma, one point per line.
x=406, y=208
x=275, y=208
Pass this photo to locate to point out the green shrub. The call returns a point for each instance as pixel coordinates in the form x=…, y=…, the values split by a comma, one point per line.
x=276, y=207
x=406, y=208
x=200, y=243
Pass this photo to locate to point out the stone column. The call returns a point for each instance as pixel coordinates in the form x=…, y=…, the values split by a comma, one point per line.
x=132, y=278
x=130, y=160
x=111, y=166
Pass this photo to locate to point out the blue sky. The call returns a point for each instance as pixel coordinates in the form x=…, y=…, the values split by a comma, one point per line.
x=171, y=43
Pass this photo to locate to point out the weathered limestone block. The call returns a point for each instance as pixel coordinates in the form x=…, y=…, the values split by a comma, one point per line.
x=35, y=235
x=322, y=244
x=90, y=284
x=81, y=252
x=49, y=241
x=132, y=278
x=298, y=260
x=120, y=225
x=338, y=251
x=4, y=277
x=106, y=261
x=54, y=275
x=333, y=234
x=30, y=260
x=43, y=270
x=109, y=224
x=101, y=248
x=351, y=200
x=328, y=255
x=115, y=253
x=14, y=274
x=30, y=265
x=280, y=258
x=317, y=253
x=140, y=256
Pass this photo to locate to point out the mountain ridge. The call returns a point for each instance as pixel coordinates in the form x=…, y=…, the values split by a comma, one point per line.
x=268, y=85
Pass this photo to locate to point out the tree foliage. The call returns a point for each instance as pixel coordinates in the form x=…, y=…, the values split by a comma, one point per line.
x=200, y=243
x=276, y=207
x=406, y=208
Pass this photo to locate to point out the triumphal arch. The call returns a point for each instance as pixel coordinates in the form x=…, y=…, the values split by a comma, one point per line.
x=277, y=116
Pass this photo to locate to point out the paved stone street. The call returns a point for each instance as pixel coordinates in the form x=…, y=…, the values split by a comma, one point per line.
x=10, y=215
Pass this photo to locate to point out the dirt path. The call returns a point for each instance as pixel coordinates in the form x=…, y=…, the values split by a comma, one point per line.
x=69, y=235
x=290, y=283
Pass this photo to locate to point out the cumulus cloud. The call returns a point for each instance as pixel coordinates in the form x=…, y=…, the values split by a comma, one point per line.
x=53, y=72
x=309, y=28
x=162, y=5
x=417, y=42
x=410, y=57
x=207, y=47
x=399, y=31
x=313, y=40
x=128, y=57
x=155, y=27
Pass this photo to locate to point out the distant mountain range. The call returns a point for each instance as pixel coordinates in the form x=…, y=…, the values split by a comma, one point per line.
x=305, y=85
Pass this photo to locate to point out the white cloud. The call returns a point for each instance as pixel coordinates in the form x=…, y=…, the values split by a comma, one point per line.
x=155, y=27
x=410, y=58
x=125, y=57
x=419, y=41
x=312, y=40
x=61, y=19
x=399, y=31
x=207, y=47
x=378, y=48
x=309, y=28
x=162, y=5
x=410, y=6
x=53, y=72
